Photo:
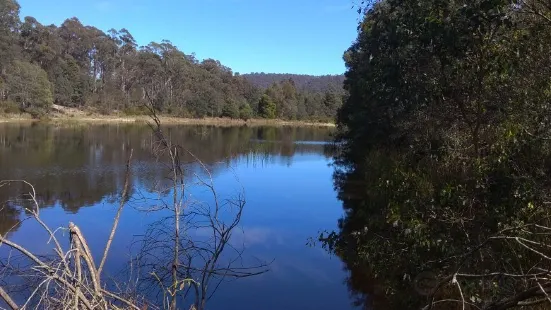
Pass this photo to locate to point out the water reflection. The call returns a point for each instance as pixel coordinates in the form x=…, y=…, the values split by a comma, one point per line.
x=78, y=172
x=78, y=166
x=417, y=229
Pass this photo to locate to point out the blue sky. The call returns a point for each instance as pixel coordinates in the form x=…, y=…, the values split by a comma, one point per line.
x=281, y=36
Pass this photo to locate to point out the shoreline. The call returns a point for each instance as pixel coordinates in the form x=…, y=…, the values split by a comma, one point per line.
x=167, y=120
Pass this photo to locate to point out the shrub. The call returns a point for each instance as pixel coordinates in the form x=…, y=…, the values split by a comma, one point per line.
x=135, y=110
x=9, y=107
x=246, y=112
x=230, y=110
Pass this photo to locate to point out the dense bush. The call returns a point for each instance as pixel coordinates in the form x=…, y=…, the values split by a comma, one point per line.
x=445, y=157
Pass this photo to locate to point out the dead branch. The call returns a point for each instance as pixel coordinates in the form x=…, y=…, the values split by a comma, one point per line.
x=61, y=286
x=8, y=299
x=178, y=261
x=531, y=280
x=124, y=198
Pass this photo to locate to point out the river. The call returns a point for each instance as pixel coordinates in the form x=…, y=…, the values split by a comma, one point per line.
x=78, y=172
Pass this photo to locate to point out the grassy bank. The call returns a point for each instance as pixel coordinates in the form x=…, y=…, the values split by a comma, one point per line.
x=102, y=119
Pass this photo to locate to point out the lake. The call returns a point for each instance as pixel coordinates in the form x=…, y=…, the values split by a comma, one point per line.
x=78, y=172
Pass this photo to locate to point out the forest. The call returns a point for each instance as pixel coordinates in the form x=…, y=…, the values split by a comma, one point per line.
x=445, y=156
x=302, y=81
x=80, y=66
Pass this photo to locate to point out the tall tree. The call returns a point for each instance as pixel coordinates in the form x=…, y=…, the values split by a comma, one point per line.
x=9, y=24
x=266, y=107
x=331, y=103
x=28, y=86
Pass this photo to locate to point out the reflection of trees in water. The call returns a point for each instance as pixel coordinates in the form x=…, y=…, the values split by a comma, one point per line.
x=174, y=256
x=410, y=228
x=80, y=165
x=9, y=219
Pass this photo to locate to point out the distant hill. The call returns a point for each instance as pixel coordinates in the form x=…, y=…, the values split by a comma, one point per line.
x=304, y=82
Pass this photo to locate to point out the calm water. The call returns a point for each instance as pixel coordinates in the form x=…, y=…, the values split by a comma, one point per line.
x=78, y=173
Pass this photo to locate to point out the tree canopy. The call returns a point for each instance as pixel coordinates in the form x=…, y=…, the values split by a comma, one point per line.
x=445, y=155
x=302, y=81
x=107, y=72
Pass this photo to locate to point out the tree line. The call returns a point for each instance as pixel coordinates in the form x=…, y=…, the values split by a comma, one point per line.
x=445, y=152
x=302, y=81
x=74, y=65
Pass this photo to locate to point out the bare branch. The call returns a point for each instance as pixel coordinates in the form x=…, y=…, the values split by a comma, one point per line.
x=8, y=299
x=124, y=198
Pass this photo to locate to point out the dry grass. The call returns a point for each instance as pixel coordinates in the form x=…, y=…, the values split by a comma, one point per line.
x=10, y=118
x=216, y=121
x=69, y=278
x=62, y=115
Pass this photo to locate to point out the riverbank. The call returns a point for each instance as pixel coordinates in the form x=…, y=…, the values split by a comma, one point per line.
x=124, y=119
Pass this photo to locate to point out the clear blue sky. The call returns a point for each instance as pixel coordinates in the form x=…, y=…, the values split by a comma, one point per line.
x=281, y=36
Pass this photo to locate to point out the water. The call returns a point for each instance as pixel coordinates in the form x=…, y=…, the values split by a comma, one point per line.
x=78, y=173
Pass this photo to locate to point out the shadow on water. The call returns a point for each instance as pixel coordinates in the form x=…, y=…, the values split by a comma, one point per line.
x=423, y=235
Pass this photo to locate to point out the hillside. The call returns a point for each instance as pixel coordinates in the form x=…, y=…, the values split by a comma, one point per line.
x=79, y=66
x=303, y=82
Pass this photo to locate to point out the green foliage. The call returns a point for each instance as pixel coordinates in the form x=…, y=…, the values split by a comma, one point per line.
x=27, y=84
x=307, y=83
x=9, y=107
x=444, y=144
x=331, y=103
x=245, y=112
x=178, y=111
x=136, y=111
x=266, y=107
x=230, y=110
x=107, y=72
x=9, y=22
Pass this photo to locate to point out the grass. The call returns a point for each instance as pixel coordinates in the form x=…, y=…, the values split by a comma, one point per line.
x=116, y=119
